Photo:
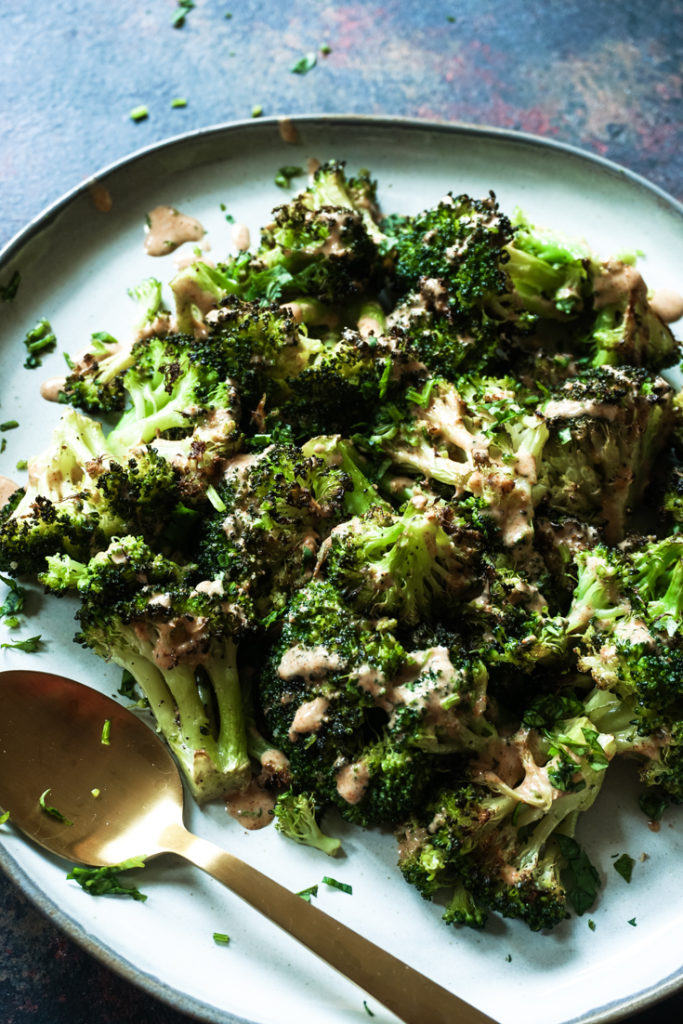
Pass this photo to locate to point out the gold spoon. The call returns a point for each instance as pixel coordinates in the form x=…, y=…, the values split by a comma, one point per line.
x=53, y=737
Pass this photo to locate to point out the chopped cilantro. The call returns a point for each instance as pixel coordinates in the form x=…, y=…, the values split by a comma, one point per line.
x=653, y=803
x=508, y=958
x=105, y=882
x=52, y=811
x=304, y=64
x=31, y=644
x=591, y=924
x=181, y=12
x=343, y=886
x=8, y=291
x=632, y=922
x=582, y=881
x=22, y=463
x=307, y=893
x=624, y=866
x=284, y=176
x=14, y=600
x=140, y=113
x=221, y=939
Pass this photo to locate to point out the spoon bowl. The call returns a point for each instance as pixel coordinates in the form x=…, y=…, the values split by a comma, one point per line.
x=88, y=780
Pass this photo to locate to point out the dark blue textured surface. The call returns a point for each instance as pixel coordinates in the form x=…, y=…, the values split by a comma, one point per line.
x=607, y=78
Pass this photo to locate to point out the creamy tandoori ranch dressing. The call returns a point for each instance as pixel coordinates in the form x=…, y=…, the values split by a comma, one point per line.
x=167, y=228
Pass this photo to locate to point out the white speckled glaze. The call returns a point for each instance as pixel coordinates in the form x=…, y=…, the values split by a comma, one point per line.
x=76, y=265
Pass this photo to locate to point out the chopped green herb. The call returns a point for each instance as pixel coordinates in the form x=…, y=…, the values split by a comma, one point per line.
x=95, y=792
x=106, y=733
x=284, y=176
x=653, y=803
x=450, y=18
x=304, y=64
x=128, y=689
x=9, y=425
x=179, y=15
x=367, y=1009
x=591, y=924
x=624, y=866
x=325, y=48
x=228, y=14
x=221, y=939
x=52, y=811
x=4, y=817
x=256, y=111
x=31, y=644
x=22, y=464
x=343, y=886
x=307, y=893
x=105, y=882
x=582, y=880
x=68, y=360
x=14, y=600
x=508, y=958
x=179, y=101
x=3, y=445
x=140, y=113
x=40, y=338
x=8, y=291
x=12, y=622
x=229, y=218
x=632, y=922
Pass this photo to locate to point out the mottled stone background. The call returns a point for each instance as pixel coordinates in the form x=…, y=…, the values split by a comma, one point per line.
x=605, y=77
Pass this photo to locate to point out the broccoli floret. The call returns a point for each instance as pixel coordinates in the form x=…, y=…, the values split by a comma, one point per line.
x=494, y=839
x=178, y=637
x=175, y=387
x=412, y=566
x=277, y=507
x=340, y=453
x=79, y=495
x=295, y=817
x=95, y=380
x=606, y=428
x=625, y=330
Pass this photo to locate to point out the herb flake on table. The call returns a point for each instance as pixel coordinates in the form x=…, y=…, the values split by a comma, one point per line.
x=30, y=645
x=40, y=339
x=283, y=178
x=139, y=113
x=53, y=812
x=306, y=894
x=183, y=9
x=334, y=884
x=221, y=939
x=304, y=64
x=105, y=881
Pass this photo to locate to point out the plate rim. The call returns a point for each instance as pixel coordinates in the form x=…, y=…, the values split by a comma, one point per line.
x=100, y=950
x=262, y=125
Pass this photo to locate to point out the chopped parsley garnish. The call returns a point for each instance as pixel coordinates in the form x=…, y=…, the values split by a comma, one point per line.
x=30, y=645
x=307, y=893
x=106, y=733
x=304, y=64
x=632, y=922
x=367, y=1009
x=624, y=866
x=325, y=48
x=4, y=817
x=105, y=881
x=342, y=886
x=22, y=464
x=8, y=291
x=9, y=425
x=179, y=15
x=40, y=338
x=653, y=803
x=221, y=939
x=582, y=880
x=52, y=811
x=14, y=599
x=591, y=924
x=284, y=176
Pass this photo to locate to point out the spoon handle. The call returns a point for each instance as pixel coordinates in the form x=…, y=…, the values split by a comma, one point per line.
x=409, y=994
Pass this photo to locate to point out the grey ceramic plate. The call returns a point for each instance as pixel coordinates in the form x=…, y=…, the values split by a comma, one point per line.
x=76, y=264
